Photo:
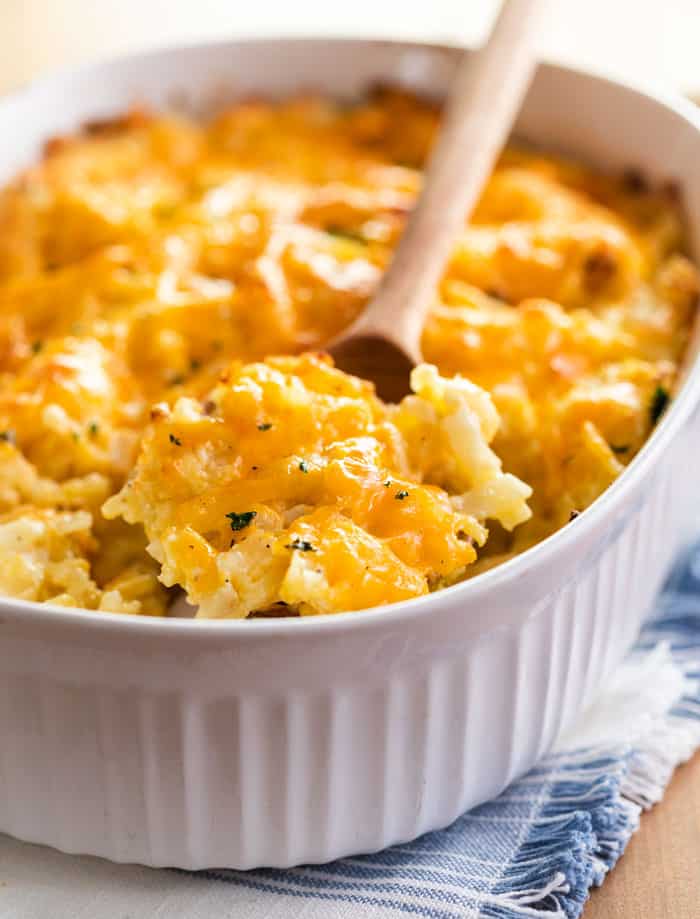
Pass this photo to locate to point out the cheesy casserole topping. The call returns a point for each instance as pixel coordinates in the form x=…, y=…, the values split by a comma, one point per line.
x=164, y=421
x=329, y=510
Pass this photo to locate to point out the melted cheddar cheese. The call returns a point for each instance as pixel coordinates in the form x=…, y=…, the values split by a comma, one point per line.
x=141, y=257
x=291, y=483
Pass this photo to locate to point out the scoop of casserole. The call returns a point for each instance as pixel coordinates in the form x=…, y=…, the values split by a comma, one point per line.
x=292, y=483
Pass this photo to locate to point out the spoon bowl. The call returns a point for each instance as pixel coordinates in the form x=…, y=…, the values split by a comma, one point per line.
x=376, y=358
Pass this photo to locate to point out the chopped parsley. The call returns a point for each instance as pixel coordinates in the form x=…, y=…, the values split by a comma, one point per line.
x=387, y=483
x=241, y=521
x=400, y=495
x=659, y=402
x=195, y=364
x=574, y=514
x=264, y=426
x=37, y=346
x=301, y=545
x=178, y=379
x=621, y=448
x=93, y=428
x=343, y=233
x=303, y=465
x=7, y=437
x=175, y=440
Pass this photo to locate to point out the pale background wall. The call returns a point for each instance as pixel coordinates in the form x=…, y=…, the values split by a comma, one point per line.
x=650, y=40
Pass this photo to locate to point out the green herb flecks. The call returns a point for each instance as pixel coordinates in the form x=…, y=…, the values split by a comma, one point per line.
x=93, y=428
x=241, y=521
x=620, y=449
x=301, y=545
x=174, y=440
x=659, y=402
x=304, y=466
x=346, y=233
x=8, y=437
x=264, y=426
x=400, y=495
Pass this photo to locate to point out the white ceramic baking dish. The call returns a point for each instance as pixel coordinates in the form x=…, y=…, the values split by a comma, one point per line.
x=240, y=744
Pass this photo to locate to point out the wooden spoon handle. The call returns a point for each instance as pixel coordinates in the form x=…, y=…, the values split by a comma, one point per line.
x=486, y=93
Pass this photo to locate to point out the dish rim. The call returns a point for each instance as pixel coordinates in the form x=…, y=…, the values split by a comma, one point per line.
x=534, y=558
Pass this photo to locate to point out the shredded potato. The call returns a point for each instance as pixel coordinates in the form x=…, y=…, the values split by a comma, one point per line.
x=144, y=257
x=50, y=534
x=292, y=483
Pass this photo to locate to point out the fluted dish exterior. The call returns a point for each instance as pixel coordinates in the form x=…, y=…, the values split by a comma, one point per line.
x=242, y=744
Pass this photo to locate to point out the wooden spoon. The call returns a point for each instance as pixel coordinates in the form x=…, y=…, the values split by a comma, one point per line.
x=383, y=344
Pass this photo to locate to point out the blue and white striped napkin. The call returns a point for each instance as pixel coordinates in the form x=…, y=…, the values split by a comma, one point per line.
x=535, y=851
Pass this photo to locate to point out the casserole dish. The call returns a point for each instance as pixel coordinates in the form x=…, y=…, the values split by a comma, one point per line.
x=276, y=742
